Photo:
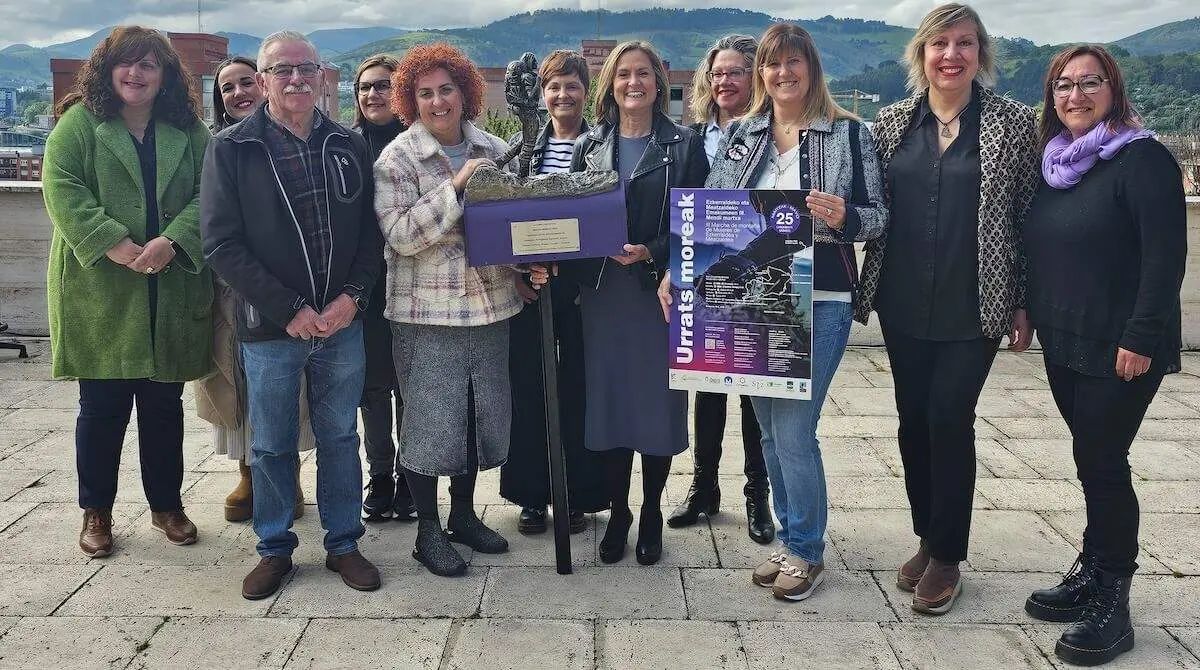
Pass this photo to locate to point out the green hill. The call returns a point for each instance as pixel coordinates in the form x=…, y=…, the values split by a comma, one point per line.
x=681, y=36
x=1180, y=36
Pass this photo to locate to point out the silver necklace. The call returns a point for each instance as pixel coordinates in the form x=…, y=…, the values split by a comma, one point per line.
x=777, y=168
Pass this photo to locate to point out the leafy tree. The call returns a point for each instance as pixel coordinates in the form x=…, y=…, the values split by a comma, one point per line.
x=34, y=109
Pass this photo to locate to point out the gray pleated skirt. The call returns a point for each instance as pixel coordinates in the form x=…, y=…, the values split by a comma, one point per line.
x=436, y=367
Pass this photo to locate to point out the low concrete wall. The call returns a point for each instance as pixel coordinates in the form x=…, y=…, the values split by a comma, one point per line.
x=24, y=248
x=25, y=245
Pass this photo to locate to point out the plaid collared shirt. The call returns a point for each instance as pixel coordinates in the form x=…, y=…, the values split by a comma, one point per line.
x=303, y=176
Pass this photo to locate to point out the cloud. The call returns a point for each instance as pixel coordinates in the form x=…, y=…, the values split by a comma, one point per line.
x=48, y=21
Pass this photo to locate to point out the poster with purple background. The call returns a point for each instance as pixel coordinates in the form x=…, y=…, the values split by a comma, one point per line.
x=741, y=283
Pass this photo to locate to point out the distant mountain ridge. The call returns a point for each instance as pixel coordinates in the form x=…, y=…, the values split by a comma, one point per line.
x=848, y=45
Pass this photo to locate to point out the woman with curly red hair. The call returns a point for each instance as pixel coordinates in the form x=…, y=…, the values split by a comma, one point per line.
x=449, y=321
x=129, y=295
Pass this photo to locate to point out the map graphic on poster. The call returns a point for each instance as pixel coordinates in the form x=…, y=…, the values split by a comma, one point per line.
x=741, y=283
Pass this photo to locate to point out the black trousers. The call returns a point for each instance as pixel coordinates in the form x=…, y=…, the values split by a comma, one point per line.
x=1104, y=414
x=104, y=409
x=937, y=387
x=380, y=390
x=709, y=428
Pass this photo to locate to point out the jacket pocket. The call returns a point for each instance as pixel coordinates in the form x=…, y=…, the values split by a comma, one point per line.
x=344, y=174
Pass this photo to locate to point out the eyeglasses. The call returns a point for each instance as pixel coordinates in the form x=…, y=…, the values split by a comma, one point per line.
x=1088, y=84
x=733, y=73
x=286, y=70
x=382, y=86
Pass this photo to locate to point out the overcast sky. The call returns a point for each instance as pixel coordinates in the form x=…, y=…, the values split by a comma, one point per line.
x=43, y=22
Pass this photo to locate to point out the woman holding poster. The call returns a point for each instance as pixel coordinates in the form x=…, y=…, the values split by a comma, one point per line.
x=948, y=280
x=629, y=407
x=796, y=137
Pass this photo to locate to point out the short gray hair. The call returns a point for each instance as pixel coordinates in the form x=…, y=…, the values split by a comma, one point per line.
x=283, y=36
x=937, y=21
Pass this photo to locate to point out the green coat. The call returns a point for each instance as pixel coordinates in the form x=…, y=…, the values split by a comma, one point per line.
x=99, y=310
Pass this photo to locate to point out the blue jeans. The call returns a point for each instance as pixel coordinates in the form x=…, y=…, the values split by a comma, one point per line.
x=336, y=368
x=790, y=445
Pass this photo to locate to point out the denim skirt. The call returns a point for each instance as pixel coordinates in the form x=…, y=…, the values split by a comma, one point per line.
x=454, y=383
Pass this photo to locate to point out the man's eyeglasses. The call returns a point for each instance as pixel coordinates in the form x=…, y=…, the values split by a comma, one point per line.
x=383, y=86
x=1088, y=84
x=733, y=73
x=286, y=70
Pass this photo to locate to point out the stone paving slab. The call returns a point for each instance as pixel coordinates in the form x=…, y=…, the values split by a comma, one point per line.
x=538, y=550
x=1188, y=637
x=219, y=642
x=10, y=512
x=1015, y=541
x=949, y=647
x=49, y=532
x=987, y=598
x=13, y=440
x=661, y=645
x=172, y=591
x=1153, y=648
x=75, y=643
x=14, y=482
x=371, y=644
x=772, y=645
x=728, y=595
x=1070, y=526
x=408, y=592
x=515, y=644
x=1031, y=494
x=611, y=592
x=1173, y=539
x=39, y=590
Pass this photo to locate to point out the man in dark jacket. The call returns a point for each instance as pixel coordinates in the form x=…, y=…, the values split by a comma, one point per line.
x=288, y=221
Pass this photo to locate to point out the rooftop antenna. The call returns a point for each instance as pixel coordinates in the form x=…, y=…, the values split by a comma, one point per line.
x=598, y=10
x=199, y=25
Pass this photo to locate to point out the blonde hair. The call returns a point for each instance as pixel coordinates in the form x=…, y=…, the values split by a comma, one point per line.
x=778, y=42
x=602, y=94
x=936, y=22
x=704, y=104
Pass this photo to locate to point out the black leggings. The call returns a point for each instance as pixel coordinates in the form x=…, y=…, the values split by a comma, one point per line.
x=1104, y=414
x=618, y=466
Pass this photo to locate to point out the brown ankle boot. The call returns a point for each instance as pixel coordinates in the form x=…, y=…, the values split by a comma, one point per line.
x=911, y=572
x=239, y=505
x=95, y=539
x=939, y=587
x=298, y=510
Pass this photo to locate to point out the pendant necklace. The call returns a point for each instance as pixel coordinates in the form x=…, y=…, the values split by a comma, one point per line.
x=779, y=169
x=946, y=124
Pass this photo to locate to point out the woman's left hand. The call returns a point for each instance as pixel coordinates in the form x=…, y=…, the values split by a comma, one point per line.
x=827, y=208
x=633, y=253
x=156, y=255
x=1130, y=365
x=1020, y=336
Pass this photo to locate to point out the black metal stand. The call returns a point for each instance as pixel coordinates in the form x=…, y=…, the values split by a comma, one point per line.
x=16, y=346
x=554, y=447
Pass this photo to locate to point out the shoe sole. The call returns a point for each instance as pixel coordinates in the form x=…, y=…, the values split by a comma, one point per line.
x=763, y=582
x=190, y=540
x=356, y=587
x=943, y=608
x=1055, y=614
x=99, y=553
x=236, y=514
x=906, y=584
x=801, y=596
x=421, y=559
x=531, y=530
x=1077, y=656
x=375, y=517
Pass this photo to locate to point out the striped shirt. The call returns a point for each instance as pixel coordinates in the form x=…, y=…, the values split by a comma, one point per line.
x=556, y=157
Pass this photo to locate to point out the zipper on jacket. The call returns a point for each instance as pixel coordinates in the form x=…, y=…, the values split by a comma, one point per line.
x=328, y=215
x=312, y=281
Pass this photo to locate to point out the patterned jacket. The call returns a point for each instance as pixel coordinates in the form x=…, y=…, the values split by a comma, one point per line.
x=428, y=280
x=1009, y=164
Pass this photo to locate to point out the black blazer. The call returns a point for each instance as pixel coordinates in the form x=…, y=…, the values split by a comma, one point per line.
x=674, y=159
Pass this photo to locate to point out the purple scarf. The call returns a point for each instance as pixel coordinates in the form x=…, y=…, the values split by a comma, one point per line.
x=1065, y=161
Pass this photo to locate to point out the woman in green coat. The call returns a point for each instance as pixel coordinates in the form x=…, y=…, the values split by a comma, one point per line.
x=130, y=300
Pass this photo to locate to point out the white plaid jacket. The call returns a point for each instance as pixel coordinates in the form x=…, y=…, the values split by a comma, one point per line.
x=428, y=280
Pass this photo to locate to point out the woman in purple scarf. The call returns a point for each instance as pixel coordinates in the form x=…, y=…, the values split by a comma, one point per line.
x=1106, y=242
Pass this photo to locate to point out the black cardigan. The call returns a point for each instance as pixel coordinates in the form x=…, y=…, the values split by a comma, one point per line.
x=1107, y=256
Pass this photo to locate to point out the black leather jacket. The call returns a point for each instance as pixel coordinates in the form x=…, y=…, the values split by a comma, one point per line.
x=674, y=159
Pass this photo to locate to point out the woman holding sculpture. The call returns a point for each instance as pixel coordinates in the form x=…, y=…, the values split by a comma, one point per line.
x=629, y=407
x=524, y=479
x=449, y=321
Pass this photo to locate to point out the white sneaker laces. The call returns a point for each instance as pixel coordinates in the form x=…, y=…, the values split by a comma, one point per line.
x=794, y=570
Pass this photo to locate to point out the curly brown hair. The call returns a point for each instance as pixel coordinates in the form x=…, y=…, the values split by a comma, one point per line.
x=177, y=101
x=425, y=58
